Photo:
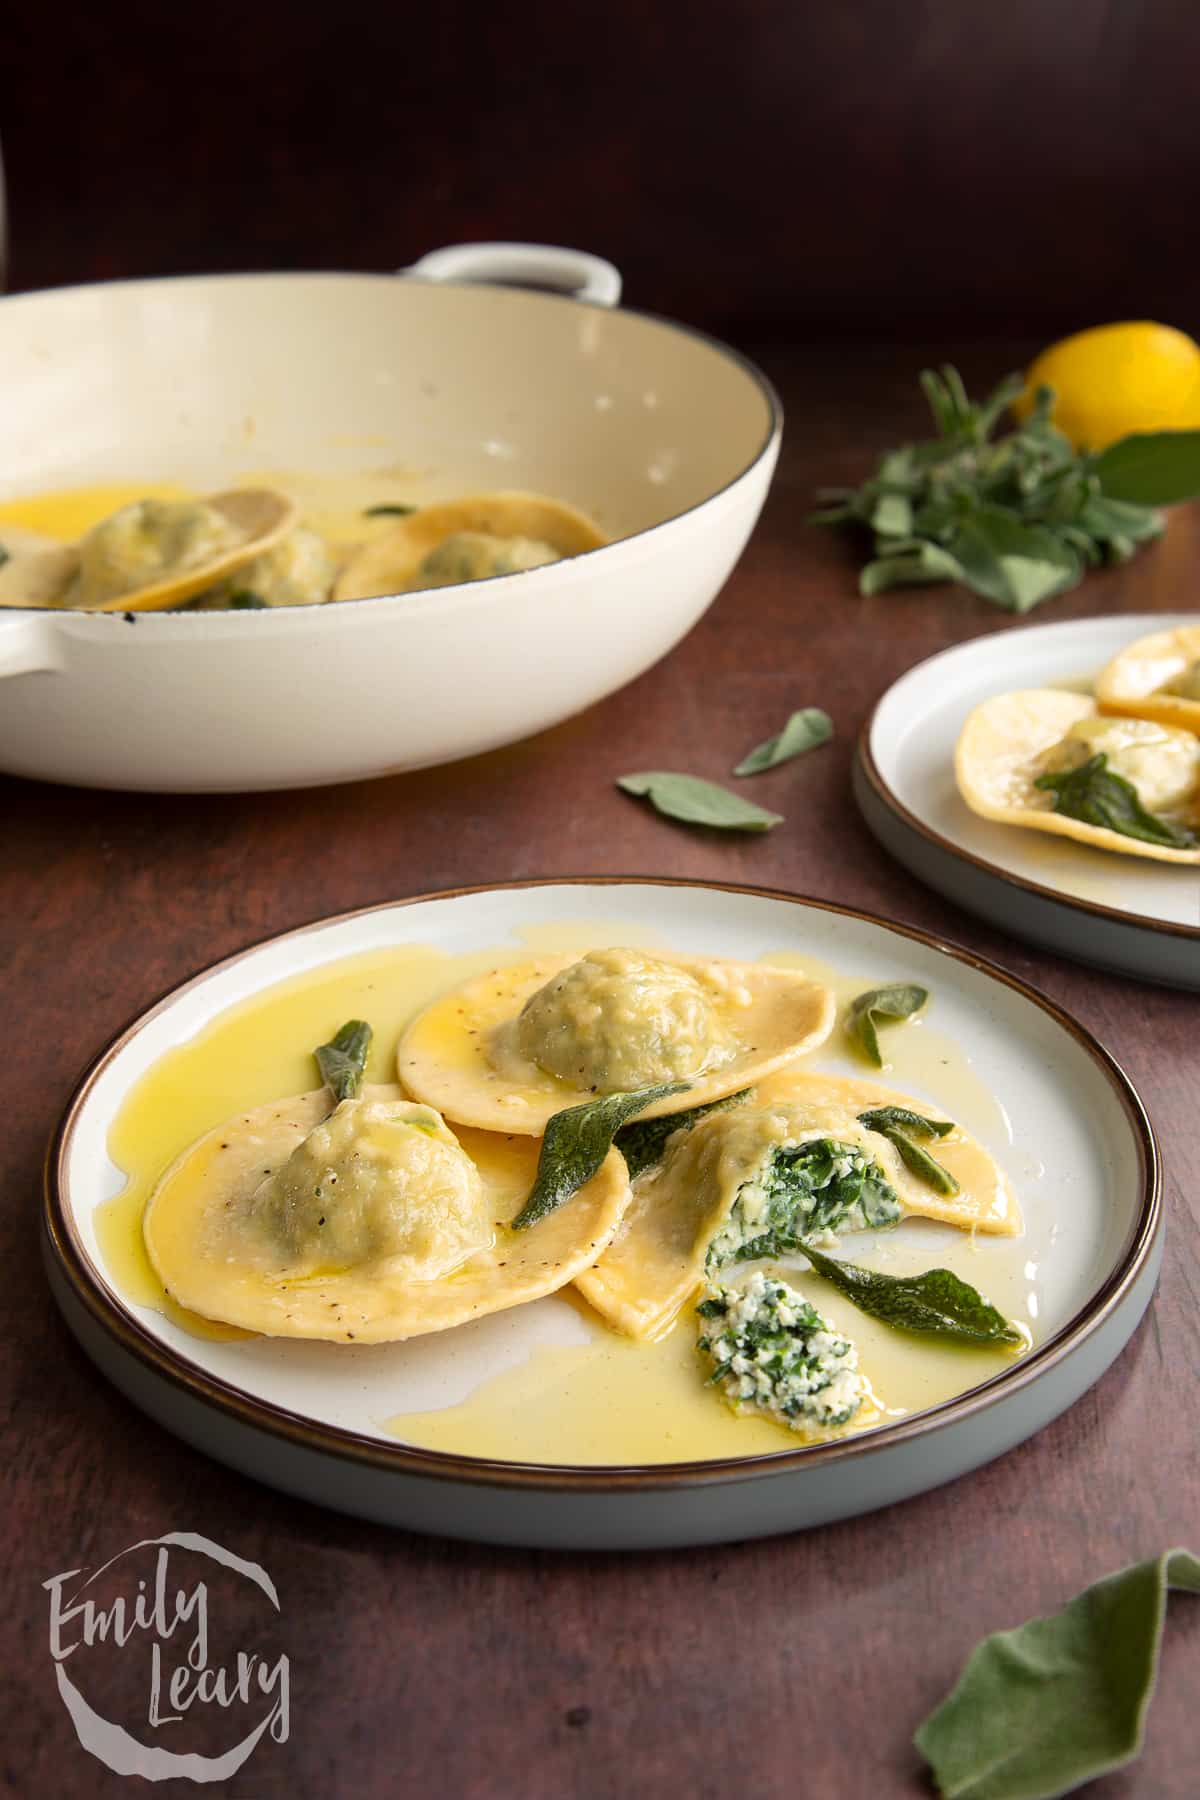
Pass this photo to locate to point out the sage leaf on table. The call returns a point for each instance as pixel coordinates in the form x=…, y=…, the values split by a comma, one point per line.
x=901, y=1128
x=391, y=510
x=1016, y=518
x=1043, y=1708
x=697, y=802
x=1096, y=795
x=936, y=1303
x=343, y=1060
x=868, y=1011
x=642, y=1143
x=805, y=730
x=577, y=1141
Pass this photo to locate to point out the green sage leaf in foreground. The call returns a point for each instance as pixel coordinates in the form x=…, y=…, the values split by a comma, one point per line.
x=803, y=731
x=577, y=1141
x=1042, y=1709
x=1097, y=796
x=870, y=1010
x=391, y=510
x=697, y=802
x=936, y=1303
x=1151, y=468
x=343, y=1059
x=901, y=1128
x=642, y=1142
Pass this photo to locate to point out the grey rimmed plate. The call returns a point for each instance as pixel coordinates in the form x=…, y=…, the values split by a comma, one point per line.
x=309, y=1419
x=1128, y=914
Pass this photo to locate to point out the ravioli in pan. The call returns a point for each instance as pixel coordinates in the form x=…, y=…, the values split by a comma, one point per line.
x=507, y=1051
x=1049, y=760
x=357, y=1215
x=804, y=1158
x=1157, y=677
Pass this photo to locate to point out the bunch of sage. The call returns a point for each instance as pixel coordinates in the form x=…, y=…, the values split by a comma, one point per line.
x=1015, y=518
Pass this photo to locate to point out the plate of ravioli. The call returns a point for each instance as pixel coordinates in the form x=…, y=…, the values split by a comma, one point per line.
x=603, y=1213
x=1048, y=779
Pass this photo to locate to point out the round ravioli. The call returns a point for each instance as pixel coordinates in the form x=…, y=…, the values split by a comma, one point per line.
x=1009, y=742
x=796, y=1160
x=466, y=540
x=366, y=1223
x=1158, y=677
x=507, y=1051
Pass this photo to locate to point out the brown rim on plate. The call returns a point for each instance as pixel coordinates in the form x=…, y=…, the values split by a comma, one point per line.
x=874, y=775
x=90, y=1288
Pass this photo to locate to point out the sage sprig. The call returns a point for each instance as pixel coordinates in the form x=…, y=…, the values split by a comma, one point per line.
x=343, y=1060
x=936, y=1303
x=1043, y=1708
x=805, y=730
x=1095, y=794
x=899, y=1000
x=901, y=1127
x=577, y=1141
x=696, y=802
x=1015, y=518
x=642, y=1143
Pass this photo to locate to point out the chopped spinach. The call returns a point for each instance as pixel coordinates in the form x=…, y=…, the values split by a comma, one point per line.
x=820, y=1185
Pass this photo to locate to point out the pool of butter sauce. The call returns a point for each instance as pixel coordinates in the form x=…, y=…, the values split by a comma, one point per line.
x=595, y=1397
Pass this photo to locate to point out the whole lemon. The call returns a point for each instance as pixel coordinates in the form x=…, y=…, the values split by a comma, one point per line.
x=1114, y=379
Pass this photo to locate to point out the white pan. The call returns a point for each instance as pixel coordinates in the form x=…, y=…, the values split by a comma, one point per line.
x=667, y=438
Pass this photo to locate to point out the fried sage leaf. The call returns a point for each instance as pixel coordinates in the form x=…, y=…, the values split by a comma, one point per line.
x=936, y=1303
x=1043, y=1708
x=697, y=802
x=577, y=1141
x=868, y=1011
x=392, y=510
x=902, y=1127
x=805, y=730
x=343, y=1059
x=246, y=600
x=1095, y=795
x=642, y=1143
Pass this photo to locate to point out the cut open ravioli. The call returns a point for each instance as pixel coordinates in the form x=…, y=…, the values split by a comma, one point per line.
x=366, y=1223
x=1157, y=677
x=1009, y=742
x=507, y=1051
x=794, y=1161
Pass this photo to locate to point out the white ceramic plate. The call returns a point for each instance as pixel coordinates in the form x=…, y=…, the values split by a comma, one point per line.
x=307, y=1418
x=1124, y=913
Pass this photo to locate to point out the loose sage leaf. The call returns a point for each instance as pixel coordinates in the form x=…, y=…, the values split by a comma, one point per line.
x=901, y=1127
x=805, y=730
x=642, y=1143
x=697, y=802
x=577, y=1141
x=884, y=1118
x=392, y=510
x=937, y=1303
x=1151, y=468
x=867, y=1011
x=343, y=1059
x=245, y=600
x=1097, y=796
x=1058, y=1701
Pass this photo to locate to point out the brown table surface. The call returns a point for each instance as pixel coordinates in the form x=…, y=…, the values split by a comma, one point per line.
x=797, y=1665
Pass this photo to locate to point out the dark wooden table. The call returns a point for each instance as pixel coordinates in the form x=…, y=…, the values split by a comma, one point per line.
x=798, y=1666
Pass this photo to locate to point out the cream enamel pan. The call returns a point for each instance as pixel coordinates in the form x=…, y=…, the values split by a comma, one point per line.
x=1073, y=1107
x=666, y=437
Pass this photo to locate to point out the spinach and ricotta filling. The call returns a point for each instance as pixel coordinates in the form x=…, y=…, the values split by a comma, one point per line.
x=798, y=1191
x=770, y=1351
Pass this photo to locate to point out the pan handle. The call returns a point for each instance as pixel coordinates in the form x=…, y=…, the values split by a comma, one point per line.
x=26, y=645
x=574, y=272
